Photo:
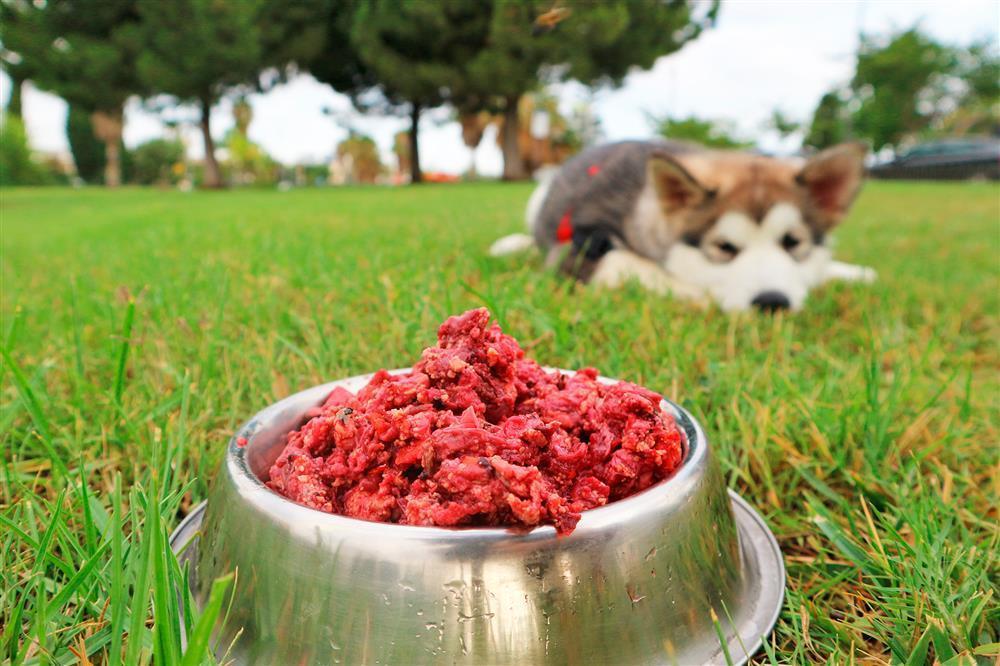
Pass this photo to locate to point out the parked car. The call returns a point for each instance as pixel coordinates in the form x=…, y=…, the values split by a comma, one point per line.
x=951, y=159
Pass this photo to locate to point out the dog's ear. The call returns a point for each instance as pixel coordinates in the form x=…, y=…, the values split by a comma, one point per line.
x=676, y=188
x=831, y=180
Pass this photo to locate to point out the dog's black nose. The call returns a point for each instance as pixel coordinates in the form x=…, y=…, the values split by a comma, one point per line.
x=771, y=301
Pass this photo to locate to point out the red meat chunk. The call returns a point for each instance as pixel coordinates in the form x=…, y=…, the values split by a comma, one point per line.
x=478, y=435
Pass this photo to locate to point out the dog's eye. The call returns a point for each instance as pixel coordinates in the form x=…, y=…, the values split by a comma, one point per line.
x=727, y=248
x=789, y=242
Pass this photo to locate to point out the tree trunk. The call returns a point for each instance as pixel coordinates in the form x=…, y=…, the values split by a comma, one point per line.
x=213, y=179
x=416, y=176
x=513, y=163
x=108, y=129
x=112, y=164
x=471, y=173
x=14, y=104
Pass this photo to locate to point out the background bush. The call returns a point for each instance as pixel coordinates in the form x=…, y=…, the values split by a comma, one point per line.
x=17, y=166
x=155, y=162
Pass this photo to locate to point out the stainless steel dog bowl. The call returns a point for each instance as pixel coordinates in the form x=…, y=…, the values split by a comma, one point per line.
x=684, y=572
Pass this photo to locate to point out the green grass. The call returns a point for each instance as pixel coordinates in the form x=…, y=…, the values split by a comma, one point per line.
x=140, y=327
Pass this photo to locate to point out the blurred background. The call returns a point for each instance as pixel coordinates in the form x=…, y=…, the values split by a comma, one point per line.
x=266, y=93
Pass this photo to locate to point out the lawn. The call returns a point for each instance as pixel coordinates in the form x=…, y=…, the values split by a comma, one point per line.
x=140, y=327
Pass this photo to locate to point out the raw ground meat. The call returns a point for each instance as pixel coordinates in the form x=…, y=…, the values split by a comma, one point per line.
x=476, y=434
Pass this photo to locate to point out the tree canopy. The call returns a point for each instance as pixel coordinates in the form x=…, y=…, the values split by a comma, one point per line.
x=416, y=53
x=712, y=134
x=531, y=42
x=907, y=86
x=195, y=50
x=84, y=52
x=893, y=83
x=480, y=56
x=829, y=123
x=484, y=55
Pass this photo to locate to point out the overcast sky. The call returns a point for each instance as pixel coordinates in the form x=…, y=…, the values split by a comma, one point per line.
x=761, y=55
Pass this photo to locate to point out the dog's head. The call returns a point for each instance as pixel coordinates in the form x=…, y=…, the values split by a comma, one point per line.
x=751, y=230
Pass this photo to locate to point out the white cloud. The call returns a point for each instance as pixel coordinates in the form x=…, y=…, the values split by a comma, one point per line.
x=763, y=55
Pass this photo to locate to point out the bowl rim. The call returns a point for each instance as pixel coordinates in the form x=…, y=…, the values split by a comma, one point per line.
x=252, y=488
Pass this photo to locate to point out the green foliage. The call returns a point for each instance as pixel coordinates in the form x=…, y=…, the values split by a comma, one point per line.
x=292, y=32
x=17, y=167
x=338, y=63
x=908, y=86
x=84, y=52
x=484, y=55
x=315, y=174
x=248, y=164
x=978, y=107
x=89, y=152
x=196, y=49
x=708, y=133
x=594, y=43
x=418, y=50
x=610, y=39
x=829, y=123
x=361, y=153
x=156, y=162
x=894, y=85
x=782, y=123
x=979, y=68
x=18, y=77
x=862, y=427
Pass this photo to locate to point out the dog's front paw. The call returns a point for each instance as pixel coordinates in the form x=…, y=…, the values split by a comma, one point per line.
x=867, y=275
x=838, y=270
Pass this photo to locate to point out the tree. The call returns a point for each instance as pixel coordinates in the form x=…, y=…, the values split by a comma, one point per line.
x=484, y=55
x=829, y=123
x=17, y=68
x=195, y=50
x=16, y=164
x=473, y=126
x=155, y=162
x=337, y=63
x=292, y=33
x=200, y=50
x=359, y=154
x=248, y=163
x=897, y=85
x=594, y=43
x=557, y=137
x=84, y=52
x=88, y=151
x=416, y=51
x=708, y=133
x=401, y=149
x=977, y=109
x=781, y=123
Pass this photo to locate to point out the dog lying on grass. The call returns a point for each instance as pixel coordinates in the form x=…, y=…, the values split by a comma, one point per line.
x=740, y=229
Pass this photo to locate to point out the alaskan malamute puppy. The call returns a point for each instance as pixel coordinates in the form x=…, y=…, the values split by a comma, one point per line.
x=741, y=229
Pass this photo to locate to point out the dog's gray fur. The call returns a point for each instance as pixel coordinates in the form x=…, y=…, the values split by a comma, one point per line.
x=604, y=200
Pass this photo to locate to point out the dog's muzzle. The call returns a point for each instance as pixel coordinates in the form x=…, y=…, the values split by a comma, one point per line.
x=771, y=301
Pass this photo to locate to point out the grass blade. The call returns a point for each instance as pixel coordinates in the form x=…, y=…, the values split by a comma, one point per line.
x=35, y=410
x=118, y=583
x=123, y=352
x=199, y=638
x=140, y=595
